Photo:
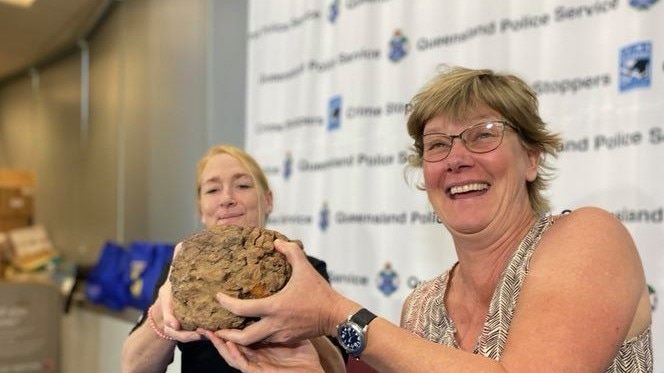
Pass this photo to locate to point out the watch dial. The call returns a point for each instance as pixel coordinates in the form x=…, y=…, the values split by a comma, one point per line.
x=351, y=338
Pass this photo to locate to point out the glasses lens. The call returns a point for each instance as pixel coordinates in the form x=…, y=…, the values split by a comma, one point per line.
x=436, y=146
x=483, y=137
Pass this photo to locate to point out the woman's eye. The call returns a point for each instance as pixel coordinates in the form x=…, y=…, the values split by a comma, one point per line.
x=437, y=144
x=486, y=135
x=211, y=191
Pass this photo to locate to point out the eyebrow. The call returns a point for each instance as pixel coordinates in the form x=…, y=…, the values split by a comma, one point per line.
x=215, y=179
x=476, y=120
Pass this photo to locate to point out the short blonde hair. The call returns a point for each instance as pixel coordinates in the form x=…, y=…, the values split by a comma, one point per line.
x=456, y=91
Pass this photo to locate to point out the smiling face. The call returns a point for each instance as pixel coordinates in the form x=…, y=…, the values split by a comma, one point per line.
x=470, y=191
x=229, y=194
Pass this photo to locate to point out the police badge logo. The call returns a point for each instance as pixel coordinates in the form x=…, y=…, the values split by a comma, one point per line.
x=398, y=46
x=642, y=4
x=288, y=165
x=333, y=11
x=324, y=217
x=653, y=297
x=388, y=280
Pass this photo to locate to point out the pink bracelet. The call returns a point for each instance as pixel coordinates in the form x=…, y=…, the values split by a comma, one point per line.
x=156, y=330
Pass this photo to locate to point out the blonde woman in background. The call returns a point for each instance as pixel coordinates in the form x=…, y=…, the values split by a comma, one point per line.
x=232, y=189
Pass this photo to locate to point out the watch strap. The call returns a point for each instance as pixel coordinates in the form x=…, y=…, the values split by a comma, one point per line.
x=362, y=317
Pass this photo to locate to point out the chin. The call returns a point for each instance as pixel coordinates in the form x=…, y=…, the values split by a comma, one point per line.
x=233, y=221
x=467, y=224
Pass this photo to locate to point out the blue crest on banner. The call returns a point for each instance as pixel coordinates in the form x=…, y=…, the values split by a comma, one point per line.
x=398, y=46
x=334, y=113
x=324, y=217
x=333, y=11
x=388, y=280
x=653, y=297
x=635, y=66
x=642, y=4
x=288, y=165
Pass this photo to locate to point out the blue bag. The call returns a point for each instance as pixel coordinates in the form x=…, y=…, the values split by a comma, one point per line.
x=147, y=260
x=106, y=283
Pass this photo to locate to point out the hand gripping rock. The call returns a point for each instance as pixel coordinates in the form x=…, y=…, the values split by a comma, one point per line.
x=238, y=261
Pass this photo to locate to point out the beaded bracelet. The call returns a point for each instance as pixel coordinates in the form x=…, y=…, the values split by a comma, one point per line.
x=156, y=330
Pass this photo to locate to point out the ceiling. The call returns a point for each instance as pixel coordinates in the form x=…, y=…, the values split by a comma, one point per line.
x=31, y=36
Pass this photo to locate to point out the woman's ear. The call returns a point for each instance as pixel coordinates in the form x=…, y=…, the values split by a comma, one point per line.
x=533, y=165
x=268, y=202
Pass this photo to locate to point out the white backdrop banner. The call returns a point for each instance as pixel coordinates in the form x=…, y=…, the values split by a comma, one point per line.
x=328, y=83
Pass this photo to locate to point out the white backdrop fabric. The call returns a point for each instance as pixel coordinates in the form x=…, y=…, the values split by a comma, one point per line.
x=328, y=82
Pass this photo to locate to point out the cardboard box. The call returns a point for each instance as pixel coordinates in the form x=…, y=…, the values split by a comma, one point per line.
x=8, y=223
x=13, y=178
x=31, y=247
x=16, y=202
x=16, y=197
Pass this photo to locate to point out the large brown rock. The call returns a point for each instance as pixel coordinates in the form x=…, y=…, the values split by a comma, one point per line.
x=239, y=261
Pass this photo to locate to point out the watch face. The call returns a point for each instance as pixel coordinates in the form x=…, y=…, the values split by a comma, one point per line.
x=351, y=338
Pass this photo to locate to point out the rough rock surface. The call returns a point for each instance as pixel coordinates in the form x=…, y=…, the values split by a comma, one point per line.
x=239, y=261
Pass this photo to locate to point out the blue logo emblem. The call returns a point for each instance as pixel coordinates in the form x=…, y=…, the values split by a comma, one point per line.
x=334, y=113
x=653, y=297
x=635, y=61
x=288, y=165
x=324, y=217
x=388, y=280
x=642, y=4
x=398, y=46
x=333, y=11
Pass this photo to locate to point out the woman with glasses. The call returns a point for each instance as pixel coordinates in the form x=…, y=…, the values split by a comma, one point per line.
x=531, y=291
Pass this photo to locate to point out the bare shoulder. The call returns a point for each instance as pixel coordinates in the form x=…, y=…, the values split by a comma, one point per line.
x=589, y=231
x=589, y=218
x=584, y=291
x=590, y=253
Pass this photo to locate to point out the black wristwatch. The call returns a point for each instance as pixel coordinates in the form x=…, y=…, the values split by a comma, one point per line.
x=352, y=333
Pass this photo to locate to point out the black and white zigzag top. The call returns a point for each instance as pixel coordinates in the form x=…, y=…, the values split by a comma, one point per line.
x=425, y=313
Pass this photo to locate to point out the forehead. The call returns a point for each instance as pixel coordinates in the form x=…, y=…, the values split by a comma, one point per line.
x=443, y=123
x=223, y=165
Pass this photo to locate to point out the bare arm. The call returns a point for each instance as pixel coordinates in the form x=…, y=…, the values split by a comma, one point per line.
x=328, y=355
x=580, y=299
x=575, y=309
x=146, y=352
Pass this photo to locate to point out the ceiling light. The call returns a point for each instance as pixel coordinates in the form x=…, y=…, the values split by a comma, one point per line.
x=21, y=3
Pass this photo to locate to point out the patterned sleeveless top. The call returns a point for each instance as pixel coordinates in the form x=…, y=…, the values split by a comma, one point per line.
x=426, y=316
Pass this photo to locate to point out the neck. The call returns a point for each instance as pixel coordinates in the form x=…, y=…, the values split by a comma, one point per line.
x=484, y=255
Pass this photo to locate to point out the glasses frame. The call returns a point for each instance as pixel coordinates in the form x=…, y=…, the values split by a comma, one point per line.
x=504, y=124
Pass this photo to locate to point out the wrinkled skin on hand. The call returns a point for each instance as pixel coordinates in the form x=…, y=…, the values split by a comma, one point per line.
x=292, y=314
x=293, y=357
x=164, y=305
x=238, y=261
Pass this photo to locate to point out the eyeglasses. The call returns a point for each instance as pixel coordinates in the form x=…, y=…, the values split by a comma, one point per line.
x=478, y=138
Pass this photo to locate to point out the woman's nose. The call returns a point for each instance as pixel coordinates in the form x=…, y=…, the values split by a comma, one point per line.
x=459, y=157
x=227, y=199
